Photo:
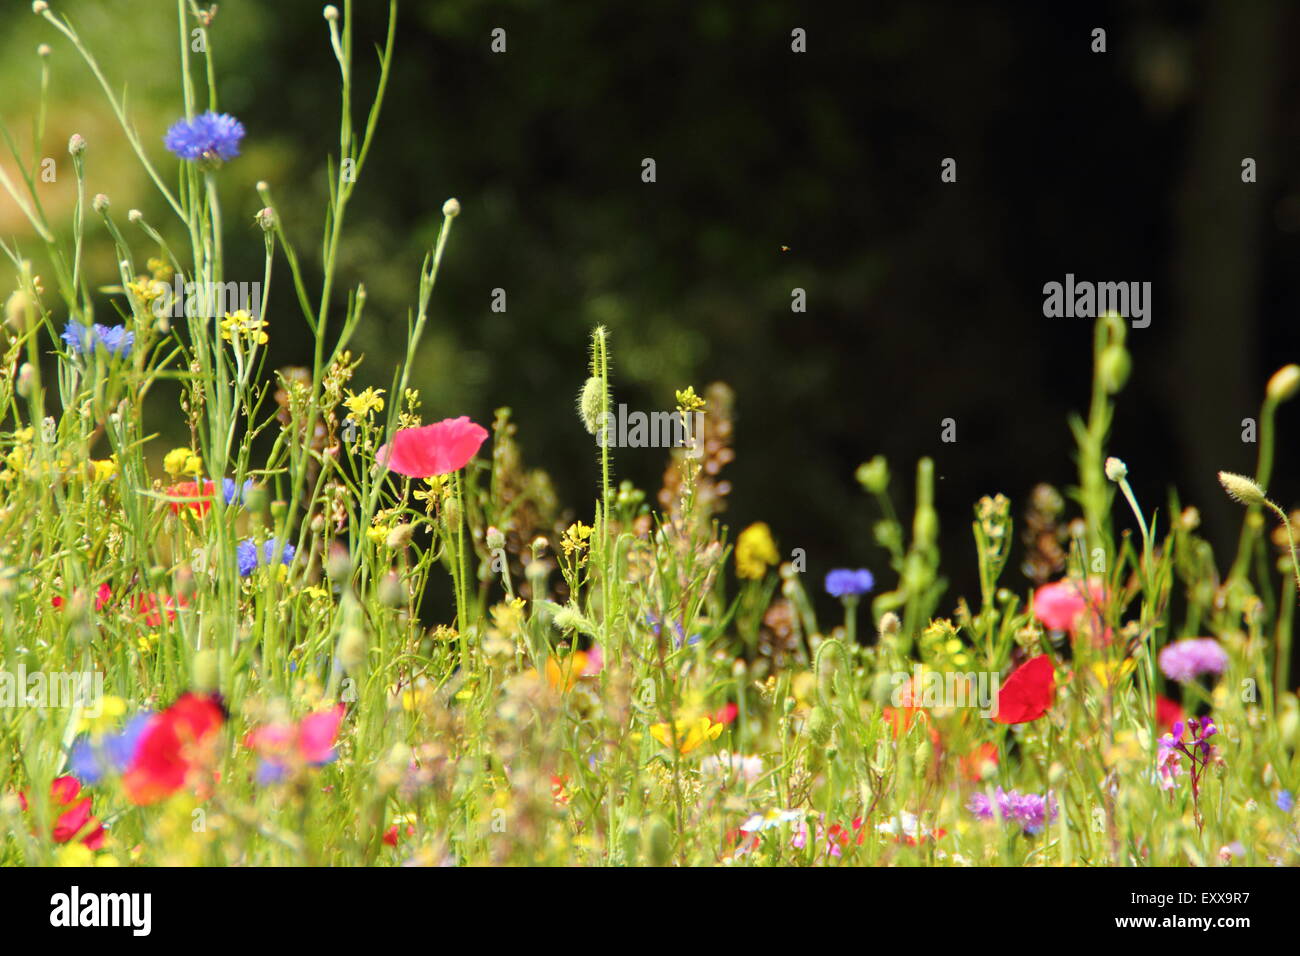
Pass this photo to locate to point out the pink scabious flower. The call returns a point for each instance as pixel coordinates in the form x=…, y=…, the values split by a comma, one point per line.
x=437, y=449
x=1061, y=606
x=1184, y=661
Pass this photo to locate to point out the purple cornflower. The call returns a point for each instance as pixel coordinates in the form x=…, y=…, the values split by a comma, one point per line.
x=114, y=339
x=209, y=136
x=1186, y=660
x=656, y=624
x=1285, y=801
x=248, y=557
x=90, y=760
x=843, y=582
x=234, y=494
x=1030, y=810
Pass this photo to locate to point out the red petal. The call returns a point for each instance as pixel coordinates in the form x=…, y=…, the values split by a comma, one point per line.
x=1028, y=692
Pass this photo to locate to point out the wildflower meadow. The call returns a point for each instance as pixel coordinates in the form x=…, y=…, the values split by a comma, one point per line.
x=342, y=625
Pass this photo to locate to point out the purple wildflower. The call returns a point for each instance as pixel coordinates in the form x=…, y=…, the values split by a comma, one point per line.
x=843, y=582
x=1285, y=801
x=1186, y=660
x=234, y=494
x=1032, y=811
x=209, y=136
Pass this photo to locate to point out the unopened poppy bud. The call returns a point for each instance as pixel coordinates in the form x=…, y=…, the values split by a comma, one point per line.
x=591, y=404
x=657, y=841
x=1242, y=489
x=391, y=592
x=1116, y=470
x=206, y=670
x=339, y=564
x=1284, y=383
x=400, y=536
x=820, y=726
x=352, y=649
x=16, y=309
x=1113, y=367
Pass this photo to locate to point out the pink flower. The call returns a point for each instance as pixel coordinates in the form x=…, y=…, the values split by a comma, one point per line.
x=1062, y=606
x=437, y=449
x=283, y=747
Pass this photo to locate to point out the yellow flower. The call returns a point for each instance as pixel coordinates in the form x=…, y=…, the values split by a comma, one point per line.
x=690, y=733
x=241, y=324
x=147, y=291
x=182, y=461
x=755, y=550
x=110, y=709
x=576, y=538
x=105, y=468
x=160, y=269
x=1111, y=675
x=363, y=403
x=688, y=401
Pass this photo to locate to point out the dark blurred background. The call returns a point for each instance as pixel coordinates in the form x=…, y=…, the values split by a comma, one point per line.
x=775, y=170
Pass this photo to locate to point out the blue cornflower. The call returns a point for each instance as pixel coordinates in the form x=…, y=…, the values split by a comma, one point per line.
x=206, y=137
x=248, y=557
x=843, y=582
x=234, y=494
x=656, y=624
x=114, y=339
x=1285, y=800
x=90, y=760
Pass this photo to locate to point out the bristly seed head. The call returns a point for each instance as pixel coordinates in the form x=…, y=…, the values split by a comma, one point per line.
x=1242, y=489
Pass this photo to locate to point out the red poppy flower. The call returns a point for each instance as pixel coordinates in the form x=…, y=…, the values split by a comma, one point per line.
x=156, y=607
x=392, y=833
x=1028, y=692
x=102, y=595
x=176, y=741
x=76, y=820
x=725, y=714
x=972, y=765
x=1168, y=712
x=201, y=492
x=437, y=449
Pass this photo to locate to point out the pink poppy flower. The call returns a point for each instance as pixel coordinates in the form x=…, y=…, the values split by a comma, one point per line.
x=1063, y=606
x=437, y=449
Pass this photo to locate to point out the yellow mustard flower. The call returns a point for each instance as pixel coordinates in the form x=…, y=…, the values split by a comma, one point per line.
x=576, y=538
x=361, y=404
x=755, y=551
x=182, y=461
x=243, y=325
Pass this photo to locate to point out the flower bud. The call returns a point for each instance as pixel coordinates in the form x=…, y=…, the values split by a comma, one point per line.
x=206, y=671
x=352, y=649
x=1116, y=470
x=819, y=727
x=657, y=841
x=874, y=475
x=1284, y=383
x=1242, y=489
x=451, y=208
x=76, y=145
